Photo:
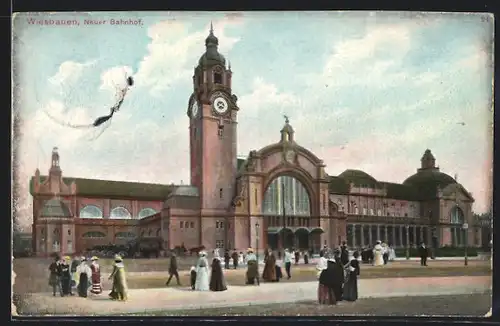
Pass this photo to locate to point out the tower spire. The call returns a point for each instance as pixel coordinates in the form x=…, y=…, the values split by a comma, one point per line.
x=211, y=28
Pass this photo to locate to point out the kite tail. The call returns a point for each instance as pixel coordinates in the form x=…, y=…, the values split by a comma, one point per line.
x=66, y=124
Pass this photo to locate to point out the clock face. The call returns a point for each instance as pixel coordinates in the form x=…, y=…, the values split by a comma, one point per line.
x=194, y=109
x=290, y=156
x=220, y=105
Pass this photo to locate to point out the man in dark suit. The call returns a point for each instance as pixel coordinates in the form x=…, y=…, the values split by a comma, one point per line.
x=423, y=253
x=172, y=270
x=344, y=254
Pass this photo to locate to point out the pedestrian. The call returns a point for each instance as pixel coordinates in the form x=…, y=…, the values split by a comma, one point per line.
x=424, y=253
x=350, y=290
x=172, y=270
x=252, y=267
x=96, y=276
x=217, y=281
x=202, y=280
x=339, y=276
x=84, y=275
x=297, y=257
x=192, y=273
x=119, y=288
x=234, y=256
x=288, y=263
x=74, y=275
x=55, y=273
x=326, y=284
x=322, y=263
x=385, y=253
x=269, y=273
x=306, y=257
x=344, y=253
x=65, y=277
x=227, y=257
x=279, y=273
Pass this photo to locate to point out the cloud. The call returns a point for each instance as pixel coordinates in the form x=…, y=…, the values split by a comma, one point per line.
x=172, y=52
x=69, y=72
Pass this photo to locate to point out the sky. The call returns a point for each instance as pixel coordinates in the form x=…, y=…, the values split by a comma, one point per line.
x=363, y=90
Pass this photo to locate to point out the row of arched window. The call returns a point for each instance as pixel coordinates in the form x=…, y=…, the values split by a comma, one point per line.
x=120, y=235
x=91, y=211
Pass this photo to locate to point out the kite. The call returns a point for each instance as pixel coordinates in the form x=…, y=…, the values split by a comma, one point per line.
x=121, y=93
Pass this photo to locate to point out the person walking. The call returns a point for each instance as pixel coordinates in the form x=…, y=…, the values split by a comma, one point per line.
x=423, y=253
x=172, y=270
x=288, y=263
x=227, y=257
x=235, y=257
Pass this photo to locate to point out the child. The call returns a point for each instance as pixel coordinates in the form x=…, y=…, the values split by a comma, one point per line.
x=193, y=277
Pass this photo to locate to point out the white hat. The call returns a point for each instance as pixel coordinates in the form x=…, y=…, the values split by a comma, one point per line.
x=202, y=253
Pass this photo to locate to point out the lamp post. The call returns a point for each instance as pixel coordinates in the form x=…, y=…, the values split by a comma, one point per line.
x=257, y=235
x=283, y=212
x=465, y=227
x=407, y=241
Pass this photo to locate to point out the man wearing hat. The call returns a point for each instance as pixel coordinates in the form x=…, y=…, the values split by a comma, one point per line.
x=96, y=276
x=84, y=275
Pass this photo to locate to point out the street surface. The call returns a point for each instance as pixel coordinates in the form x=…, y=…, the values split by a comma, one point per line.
x=475, y=305
x=152, y=300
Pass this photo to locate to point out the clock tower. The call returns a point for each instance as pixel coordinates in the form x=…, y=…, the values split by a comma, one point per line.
x=212, y=112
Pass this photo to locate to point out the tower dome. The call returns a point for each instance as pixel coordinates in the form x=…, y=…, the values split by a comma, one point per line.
x=212, y=56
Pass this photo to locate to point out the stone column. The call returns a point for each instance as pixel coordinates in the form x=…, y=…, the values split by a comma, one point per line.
x=415, y=235
x=386, y=235
x=354, y=235
x=362, y=236
x=394, y=235
x=370, y=236
x=378, y=232
x=400, y=230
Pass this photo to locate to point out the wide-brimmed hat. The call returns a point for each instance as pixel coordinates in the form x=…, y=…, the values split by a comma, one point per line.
x=249, y=250
x=94, y=258
x=202, y=253
x=67, y=258
x=118, y=257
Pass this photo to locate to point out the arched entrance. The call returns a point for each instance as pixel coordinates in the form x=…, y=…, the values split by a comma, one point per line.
x=287, y=208
x=457, y=220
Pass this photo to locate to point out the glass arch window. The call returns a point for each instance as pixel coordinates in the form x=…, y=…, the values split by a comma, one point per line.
x=120, y=213
x=91, y=211
x=287, y=195
x=145, y=212
x=457, y=215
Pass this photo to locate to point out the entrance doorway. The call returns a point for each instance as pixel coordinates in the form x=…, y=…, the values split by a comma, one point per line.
x=302, y=238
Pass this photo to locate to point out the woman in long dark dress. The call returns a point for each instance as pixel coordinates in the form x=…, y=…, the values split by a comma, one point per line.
x=326, y=285
x=338, y=280
x=65, y=277
x=217, y=282
x=84, y=276
x=351, y=286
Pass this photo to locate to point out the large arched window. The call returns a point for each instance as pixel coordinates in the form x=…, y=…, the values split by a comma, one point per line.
x=145, y=212
x=90, y=211
x=457, y=216
x=120, y=213
x=286, y=195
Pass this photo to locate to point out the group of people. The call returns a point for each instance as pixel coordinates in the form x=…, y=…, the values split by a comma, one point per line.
x=379, y=255
x=203, y=278
x=337, y=276
x=83, y=276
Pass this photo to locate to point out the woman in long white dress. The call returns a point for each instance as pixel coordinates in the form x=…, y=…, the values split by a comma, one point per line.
x=378, y=259
x=202, y=277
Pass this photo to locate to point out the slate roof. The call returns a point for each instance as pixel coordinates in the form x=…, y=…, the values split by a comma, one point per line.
x=117, y=189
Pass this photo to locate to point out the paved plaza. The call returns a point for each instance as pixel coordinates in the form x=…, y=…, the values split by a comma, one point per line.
x=151, y=300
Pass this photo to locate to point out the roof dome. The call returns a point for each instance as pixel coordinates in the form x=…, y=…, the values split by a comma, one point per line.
x=358, y=177
x=429, y=179
x=211, y=55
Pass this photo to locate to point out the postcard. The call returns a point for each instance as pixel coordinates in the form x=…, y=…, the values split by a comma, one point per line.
x=252, y=163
